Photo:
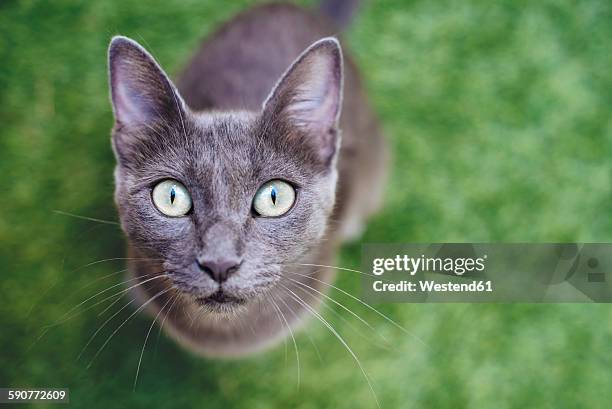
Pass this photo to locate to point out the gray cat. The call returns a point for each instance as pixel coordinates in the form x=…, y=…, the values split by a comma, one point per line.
x=231, y=185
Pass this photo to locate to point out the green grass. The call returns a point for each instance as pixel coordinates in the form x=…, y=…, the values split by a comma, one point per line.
x=499, y=120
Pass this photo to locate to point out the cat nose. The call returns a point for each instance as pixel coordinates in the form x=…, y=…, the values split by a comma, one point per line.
x=219, y=269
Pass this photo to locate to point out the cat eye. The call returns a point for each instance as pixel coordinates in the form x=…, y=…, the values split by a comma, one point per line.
x=274, y=198
x=171, y=198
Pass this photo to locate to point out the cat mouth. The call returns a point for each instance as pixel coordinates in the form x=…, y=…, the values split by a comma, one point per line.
x=220, y=300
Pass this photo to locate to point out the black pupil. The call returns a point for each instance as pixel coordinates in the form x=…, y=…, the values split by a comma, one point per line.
x=172, y=195
x=273, y=195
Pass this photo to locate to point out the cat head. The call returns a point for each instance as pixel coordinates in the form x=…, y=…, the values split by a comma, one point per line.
x=227, y=200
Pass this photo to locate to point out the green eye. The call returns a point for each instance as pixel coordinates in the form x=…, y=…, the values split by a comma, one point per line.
x=274, y=198
x=171, y=198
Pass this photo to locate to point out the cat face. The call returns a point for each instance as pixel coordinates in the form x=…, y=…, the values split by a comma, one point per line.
x=229, y=201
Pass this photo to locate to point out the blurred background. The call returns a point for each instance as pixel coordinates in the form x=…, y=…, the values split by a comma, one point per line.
x=499, y=117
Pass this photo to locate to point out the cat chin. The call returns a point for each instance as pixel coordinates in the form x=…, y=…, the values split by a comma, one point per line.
x=221, y=310
x=221, y=303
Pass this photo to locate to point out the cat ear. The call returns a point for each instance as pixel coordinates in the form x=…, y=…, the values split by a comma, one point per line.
x=309, y=97
x=140, y=90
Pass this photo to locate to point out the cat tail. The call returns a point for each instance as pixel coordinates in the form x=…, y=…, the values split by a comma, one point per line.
x=340, y=12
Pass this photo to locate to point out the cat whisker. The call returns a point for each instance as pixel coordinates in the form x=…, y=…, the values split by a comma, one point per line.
x=305, y=286
x=338, y=315
x=271, y=295
x=67, y=315
x=144, y=345
x=314, y=345
x=335, y=268
x=197, y=314
x=395, y=324
x=102, y=326
x=97, y=280
x=64, y=318
x=346, y=322
x=119, y=294
x=89, y=284
x=338, y=336
x=80, y=288
x=116, y=259
x=177, y=295
x=92, y=282
x=101, y=313
x=150, y=300
x=297, y=354
x=91, y=219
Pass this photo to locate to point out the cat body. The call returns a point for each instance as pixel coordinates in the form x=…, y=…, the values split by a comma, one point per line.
x=251, y=107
